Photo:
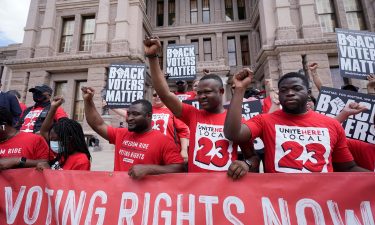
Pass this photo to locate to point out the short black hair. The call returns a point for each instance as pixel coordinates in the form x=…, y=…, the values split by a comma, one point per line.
x=213, y=77
x=147, y=107
x=15, y=93
x=5, y=116
x=295, y=75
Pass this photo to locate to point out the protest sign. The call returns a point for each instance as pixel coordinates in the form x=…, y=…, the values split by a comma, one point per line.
x=249, y=108
x=52, y=197
x=356, y=53
x=194, y=103
x=125, y=84
x=181, y=62
x=331, y=101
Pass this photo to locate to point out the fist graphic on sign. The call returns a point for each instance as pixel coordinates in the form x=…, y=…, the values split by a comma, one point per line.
x=337, y=105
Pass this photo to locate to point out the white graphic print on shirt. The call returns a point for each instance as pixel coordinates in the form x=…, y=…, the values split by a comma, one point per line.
x=301, y=149
x=212, y=150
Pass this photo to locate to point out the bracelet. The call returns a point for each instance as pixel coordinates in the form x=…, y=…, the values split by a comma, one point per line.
x=151, y=56
x=22, y=162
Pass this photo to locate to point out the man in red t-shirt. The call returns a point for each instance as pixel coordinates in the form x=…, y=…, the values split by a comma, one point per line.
x=164, y=121
x=296, y=140
x=139, y=149
x=33, y=117
x=209, y=150
x=363, y=152
x=182, y=92
x=18, y=149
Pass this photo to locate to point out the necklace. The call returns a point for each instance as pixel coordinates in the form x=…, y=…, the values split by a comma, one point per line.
x=6, y=139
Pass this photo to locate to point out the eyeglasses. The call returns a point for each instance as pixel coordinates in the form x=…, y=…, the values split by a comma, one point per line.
x=155, y=95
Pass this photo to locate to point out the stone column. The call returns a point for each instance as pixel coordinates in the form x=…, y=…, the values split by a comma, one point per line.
x=100, y=44
x=235, y=10
x=36, y=78
x=285, y=29
x=200, y=12
x=77, y=30
x=212, y=11
x=20, y=82
x=135, y=33
x=45, y=47
x=6, y=77
x=28, y=45
x=267, y=22
x=340, y=14
x=289, y=62
x=238, y=50
x=165, y=20
x=219, y=46
x=201, y=49
x=218, y=12
x=369, y=9
x=183, y=39
x=120, y=42
x=310, y=26
x=271, y=70
x=183, y=7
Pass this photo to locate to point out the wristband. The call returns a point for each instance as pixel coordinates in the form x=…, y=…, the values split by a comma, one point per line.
x=22, y=162
x=151, y=56
x=248, y=163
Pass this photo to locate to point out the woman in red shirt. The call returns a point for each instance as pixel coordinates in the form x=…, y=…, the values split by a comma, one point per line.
x=66, y=140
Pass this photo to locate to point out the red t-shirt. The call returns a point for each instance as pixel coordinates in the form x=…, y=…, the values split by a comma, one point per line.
x=77, y=161
x=300, y=143
x=209, y=150
x=189, y=95
x=32, y=116
x=164, y=121
x=23, y=107
x=151, y=147
x=363, y=153
x=28, y=145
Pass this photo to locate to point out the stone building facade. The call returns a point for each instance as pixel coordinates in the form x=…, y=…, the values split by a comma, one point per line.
x=70, y=43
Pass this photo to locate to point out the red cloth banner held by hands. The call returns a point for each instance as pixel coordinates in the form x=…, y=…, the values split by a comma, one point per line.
x=80, y=197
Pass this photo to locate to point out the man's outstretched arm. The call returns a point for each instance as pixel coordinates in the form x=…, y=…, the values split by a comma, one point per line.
x=152, y=46
x=352, y=108
x=234, y=130
x=92, y=116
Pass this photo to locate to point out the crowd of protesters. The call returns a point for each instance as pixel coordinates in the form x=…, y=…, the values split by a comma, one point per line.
x=170, y=136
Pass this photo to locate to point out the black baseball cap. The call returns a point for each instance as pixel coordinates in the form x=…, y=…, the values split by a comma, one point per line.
x=42, y=88
x=350, y=87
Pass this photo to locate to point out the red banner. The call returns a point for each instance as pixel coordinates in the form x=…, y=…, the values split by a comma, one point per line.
x=77, y=197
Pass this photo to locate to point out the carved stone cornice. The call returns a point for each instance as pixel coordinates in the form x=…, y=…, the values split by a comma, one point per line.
x=65, y=61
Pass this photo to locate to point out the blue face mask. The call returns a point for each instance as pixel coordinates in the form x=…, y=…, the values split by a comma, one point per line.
x=54, y=145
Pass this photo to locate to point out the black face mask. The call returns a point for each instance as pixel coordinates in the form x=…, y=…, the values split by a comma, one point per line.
x=38, y=97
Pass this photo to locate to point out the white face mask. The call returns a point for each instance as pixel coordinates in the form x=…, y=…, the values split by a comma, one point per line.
x=54, y=145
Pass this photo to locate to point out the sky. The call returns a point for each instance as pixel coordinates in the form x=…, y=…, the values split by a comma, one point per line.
x=13, y=15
